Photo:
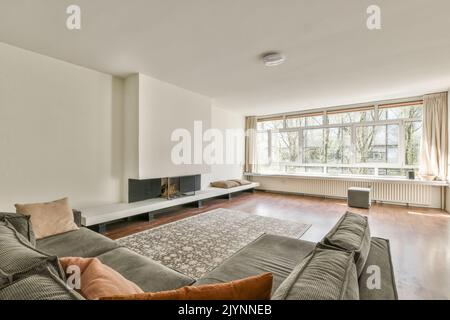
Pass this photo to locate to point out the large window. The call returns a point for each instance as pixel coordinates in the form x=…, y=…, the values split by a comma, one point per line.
x=381, y=140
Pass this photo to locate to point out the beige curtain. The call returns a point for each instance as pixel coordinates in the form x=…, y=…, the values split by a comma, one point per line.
x=434, y=150
x=250, y=144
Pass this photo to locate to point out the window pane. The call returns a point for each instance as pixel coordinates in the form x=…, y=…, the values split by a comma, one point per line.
x=404, y=112
x=338, y=145
x=295, y=122
x=396, y=172
x=285, y=146
x=301, y=121
x=393, y=134
x=377, y=144
x=273, y=168
x=270, y=124
x=262, y=148
x=355, y=171
x=314, y=120
x=295, y=169
x=332, y=170
x=314, y=169
x=304, y=169
x=413, y=136
x=364, y=144
x=350, y=117
x=313, y=146
x=361, y=171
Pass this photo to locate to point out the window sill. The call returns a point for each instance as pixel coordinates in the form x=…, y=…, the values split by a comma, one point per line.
x=351, y=178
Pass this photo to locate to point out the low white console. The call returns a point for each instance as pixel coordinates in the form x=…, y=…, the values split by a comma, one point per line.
x=101, y=215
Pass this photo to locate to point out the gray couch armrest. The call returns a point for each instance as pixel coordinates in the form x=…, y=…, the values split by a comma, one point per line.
x=77, y=217
x=380, y=258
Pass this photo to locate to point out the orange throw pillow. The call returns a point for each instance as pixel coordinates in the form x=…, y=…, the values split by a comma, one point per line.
x=99, y=280
x=252, y=288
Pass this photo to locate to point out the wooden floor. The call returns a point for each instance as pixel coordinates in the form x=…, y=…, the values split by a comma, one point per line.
x=420, y=238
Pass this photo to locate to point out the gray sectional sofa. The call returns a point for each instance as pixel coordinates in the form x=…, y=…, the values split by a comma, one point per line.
x=301, y=269
x=281, y=255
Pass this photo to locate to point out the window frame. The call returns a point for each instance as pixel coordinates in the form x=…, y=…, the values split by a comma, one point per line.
x=401, y=161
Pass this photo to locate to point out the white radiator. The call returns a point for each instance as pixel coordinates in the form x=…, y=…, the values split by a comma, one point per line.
x=382, y=191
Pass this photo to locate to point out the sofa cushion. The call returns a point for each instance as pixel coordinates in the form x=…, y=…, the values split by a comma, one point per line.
x=379, y=260
x=99, y=280
x=149, y=275
x=351, y=233
x=241, y=182
x=42, y=285
x=251, y=288
x=269, y=253
x=225, y=184
x=19, y=258
x=83, y=243
x=323, y=275
x=49, y=218
x=21, y=223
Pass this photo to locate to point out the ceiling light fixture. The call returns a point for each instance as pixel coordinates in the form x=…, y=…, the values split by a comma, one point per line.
x=273, y=59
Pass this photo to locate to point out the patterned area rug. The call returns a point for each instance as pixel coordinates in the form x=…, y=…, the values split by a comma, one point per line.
x=196, y=245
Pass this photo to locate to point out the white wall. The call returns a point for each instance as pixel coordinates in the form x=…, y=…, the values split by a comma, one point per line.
x=447, y=191
x=225, y=120
x=164, y=108
x=70, y=131
x=447, y=199
x=60, y=131
x=153, y=110
x=131, y=132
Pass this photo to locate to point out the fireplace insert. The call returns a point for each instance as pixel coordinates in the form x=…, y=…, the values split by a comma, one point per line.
x=168, y=187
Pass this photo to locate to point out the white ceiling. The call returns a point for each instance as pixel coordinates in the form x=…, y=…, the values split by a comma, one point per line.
x=213, y=46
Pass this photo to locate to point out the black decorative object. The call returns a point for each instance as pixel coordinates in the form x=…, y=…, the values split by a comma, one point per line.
x=411, y=175
x=190, y=184
x=140, y=190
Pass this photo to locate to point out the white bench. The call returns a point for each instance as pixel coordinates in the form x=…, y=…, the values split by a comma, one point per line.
x=101, y=215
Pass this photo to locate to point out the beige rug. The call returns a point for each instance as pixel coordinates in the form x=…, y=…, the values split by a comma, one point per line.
x=196, y=245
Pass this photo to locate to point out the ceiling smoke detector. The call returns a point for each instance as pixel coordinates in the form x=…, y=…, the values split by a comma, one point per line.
x=273, y=59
